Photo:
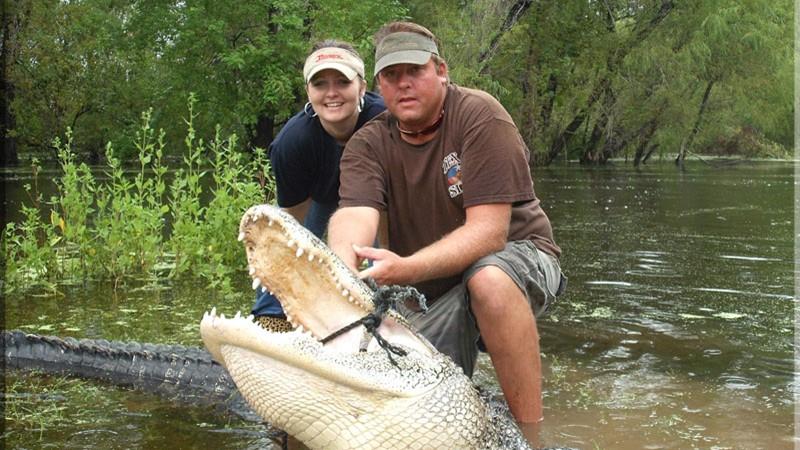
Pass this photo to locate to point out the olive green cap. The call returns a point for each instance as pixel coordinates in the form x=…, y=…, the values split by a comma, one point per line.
x=404, y=47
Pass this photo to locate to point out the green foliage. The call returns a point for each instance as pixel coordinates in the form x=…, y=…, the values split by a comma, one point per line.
x=73, y=208
x=608, y=78
x=580, y=78
x=115, y=229
x=357, y=26
x=204, y=237
x=94, y=65
x=28, y=248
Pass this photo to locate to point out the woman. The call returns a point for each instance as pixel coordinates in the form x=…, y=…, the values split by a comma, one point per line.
x=305, y=154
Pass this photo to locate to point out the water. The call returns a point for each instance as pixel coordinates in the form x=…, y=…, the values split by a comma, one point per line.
x=676, y=331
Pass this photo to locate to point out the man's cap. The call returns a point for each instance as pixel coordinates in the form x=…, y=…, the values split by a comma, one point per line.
x=404, y=47
x=335, y=58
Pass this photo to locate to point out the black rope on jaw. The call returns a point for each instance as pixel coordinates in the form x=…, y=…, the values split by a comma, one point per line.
x=384, y=298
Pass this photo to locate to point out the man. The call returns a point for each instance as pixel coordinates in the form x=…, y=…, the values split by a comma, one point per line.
x=450, y=169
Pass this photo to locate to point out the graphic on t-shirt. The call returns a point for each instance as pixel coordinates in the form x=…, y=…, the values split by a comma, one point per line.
x=451, y=167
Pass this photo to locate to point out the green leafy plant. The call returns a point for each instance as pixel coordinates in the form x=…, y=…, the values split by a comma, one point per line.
x=117, y=229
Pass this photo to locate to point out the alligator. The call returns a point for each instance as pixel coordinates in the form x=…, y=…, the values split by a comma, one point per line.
x=332, y=385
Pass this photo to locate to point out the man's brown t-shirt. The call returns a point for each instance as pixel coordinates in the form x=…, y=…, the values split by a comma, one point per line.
x=477, y=157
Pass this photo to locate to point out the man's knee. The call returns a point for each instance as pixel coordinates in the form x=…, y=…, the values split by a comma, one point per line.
x=490, y=289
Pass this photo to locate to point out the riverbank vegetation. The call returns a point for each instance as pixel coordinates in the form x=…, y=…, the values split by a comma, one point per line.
x=584, y=80
x=143, y=224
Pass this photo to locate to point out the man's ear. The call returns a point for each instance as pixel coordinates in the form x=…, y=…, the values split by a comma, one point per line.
x=441, y=72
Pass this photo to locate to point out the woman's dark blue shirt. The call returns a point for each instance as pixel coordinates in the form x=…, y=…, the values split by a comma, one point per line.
x=305, y=158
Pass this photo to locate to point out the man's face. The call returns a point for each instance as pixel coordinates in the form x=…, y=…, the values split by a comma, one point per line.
x=414, y=93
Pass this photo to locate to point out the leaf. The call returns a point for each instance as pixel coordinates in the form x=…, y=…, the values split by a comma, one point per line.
x=56, y=220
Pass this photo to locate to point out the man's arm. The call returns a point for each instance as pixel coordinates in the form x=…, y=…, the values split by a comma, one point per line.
x=485, y=231
x=349, y=226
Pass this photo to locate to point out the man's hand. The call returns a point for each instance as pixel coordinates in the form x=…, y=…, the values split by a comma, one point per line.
x=387, y=267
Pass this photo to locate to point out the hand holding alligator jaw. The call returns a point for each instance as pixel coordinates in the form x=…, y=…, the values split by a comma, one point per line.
x=387, y=267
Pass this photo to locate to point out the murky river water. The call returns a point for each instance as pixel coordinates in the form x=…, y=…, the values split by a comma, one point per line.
x=676, y=331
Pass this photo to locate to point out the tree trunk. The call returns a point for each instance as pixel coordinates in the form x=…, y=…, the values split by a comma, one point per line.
x=262, y=133
x=7, y=119
x=548, y=100
x=687, y=142
x=642, y=150
x=649, y=153
x=561, y=142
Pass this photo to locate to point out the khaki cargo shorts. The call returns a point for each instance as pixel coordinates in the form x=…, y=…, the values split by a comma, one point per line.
x=449, y=324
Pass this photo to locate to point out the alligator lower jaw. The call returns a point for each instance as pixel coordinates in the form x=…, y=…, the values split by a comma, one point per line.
x=300, y=351
x=317, y=291
x=333, y=400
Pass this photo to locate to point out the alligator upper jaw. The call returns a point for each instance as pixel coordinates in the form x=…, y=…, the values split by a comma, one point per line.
x=316, y=289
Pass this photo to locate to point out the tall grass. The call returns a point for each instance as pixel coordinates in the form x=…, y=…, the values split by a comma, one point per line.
x=115, y=229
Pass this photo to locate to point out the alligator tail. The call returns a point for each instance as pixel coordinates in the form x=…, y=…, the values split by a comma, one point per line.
x=185, y=374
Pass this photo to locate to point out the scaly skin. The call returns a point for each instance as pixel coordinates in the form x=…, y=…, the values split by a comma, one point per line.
x=332, y=396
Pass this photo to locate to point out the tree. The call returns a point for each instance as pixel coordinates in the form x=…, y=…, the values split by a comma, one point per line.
x=14, y=15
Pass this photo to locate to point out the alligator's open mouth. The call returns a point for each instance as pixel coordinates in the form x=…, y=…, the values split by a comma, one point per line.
x=317, y=291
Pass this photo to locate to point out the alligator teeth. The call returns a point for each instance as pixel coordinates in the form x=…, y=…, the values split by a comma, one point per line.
x=240, y=238
x=270, y=222
x=251, y=270
x=290, y=243
x=238, y=315
x=251, y=317
x=213, y=311
x=301, y=329
x=345, y=294
x=310, y=257
x=222, y=316
x=299, y=252
x=256, y=283
x=351, y=299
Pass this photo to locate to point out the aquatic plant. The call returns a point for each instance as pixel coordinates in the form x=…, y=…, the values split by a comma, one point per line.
x=118, y=228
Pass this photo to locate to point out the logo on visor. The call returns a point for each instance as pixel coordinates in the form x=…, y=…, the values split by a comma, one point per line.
x=322, y=56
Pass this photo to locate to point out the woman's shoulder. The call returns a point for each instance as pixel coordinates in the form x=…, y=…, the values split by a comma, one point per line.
x=373, y=104
x=299, y=129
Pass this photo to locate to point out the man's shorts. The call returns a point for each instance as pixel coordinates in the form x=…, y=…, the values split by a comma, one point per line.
x=449, y=324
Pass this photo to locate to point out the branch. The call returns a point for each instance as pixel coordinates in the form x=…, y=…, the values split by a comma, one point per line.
x=517, y=10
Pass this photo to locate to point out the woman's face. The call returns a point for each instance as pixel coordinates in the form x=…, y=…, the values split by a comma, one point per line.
x=334, y=97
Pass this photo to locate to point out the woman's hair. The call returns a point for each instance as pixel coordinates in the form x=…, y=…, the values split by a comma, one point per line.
x=334, y=43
